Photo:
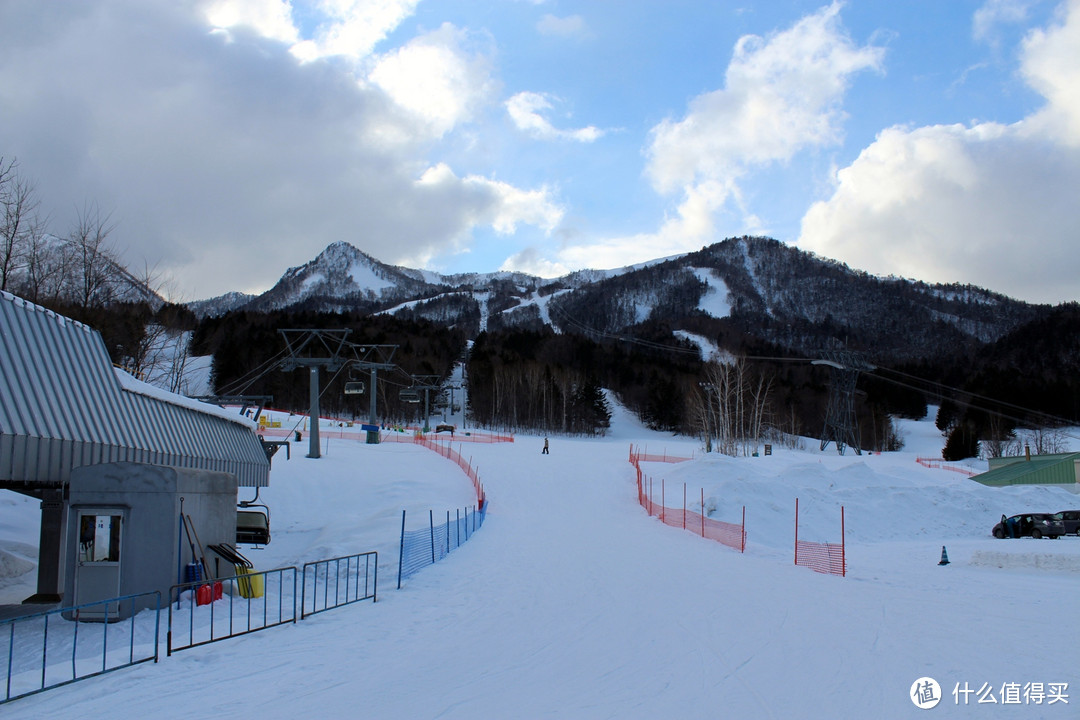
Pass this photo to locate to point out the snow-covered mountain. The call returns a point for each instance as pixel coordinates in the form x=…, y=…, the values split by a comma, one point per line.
x=750, y=286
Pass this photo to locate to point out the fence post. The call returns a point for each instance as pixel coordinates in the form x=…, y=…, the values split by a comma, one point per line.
x=447, y=532
x=796, y=531
x=401, y=550
x=843, y=545
x=742, y=540
x=431, y=522
x=663, y=497
x=702, y=512
x=684, y=506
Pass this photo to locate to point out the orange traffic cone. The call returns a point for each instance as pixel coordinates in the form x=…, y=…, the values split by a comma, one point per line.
x=944, y=557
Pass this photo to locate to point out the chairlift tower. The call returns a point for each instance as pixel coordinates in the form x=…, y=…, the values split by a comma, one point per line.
x=427, y=383
x=373, y=358
x=841, y=426
x=314, y=349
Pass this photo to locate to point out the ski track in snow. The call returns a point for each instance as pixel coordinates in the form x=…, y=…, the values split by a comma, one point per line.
x=571, y=602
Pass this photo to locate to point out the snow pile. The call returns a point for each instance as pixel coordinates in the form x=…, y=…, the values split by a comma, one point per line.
x=1027, y=561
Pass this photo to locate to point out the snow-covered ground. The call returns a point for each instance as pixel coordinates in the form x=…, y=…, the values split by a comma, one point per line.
x=572, y=602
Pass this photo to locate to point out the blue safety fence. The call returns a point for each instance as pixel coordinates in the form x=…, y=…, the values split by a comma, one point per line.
x=207, y=612
x=58, y=647
x=427, y=545
x=328, y=584
x=49, y=649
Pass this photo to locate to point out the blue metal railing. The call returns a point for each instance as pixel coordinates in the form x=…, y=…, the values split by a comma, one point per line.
x=258, y=600
x=344, y=580
x=60, y=646
x=426, y=546
x=55, y=647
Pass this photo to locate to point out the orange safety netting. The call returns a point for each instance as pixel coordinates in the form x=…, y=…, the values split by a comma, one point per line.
x=730, y=534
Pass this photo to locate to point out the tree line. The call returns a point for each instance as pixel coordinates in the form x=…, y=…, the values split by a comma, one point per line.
x=542, y=381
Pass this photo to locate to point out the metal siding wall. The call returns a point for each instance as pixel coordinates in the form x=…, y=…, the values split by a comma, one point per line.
x=1058, y=474
x=7, y=450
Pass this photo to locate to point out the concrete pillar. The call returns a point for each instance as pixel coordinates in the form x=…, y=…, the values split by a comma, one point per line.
x=372, y=437
x=313, y=434
x=50, y=587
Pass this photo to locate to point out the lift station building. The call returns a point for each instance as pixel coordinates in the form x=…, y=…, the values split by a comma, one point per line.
x=115, y=462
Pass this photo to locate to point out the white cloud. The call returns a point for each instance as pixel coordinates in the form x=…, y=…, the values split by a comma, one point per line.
x=226, y=160
x=434, y=79
x=352, y=28
x=570, y=26
x=269, y=18
x=492, y=203
x=1051, y=65
x=532, y=261
x=994, y=13
x=988, y=204
x=344, y=28
x=525, y=110
x=782, y=95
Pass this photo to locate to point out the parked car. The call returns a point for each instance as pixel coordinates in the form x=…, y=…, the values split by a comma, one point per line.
x=1035, y=525
x=1071, y=520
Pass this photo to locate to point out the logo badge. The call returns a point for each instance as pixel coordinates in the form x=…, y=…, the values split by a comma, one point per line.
x=925, y=693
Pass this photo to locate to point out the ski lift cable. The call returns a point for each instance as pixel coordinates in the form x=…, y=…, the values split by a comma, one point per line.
x=992, y=411
x=1047, y=416
x=260, y=370
x=237, y=386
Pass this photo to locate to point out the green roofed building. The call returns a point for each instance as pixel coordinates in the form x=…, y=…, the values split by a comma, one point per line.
x=1059, y=470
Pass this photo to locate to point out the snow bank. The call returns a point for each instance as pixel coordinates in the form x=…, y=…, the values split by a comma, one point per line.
x=1027, y=560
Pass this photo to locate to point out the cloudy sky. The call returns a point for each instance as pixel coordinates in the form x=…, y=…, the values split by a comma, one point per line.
x=232, y=139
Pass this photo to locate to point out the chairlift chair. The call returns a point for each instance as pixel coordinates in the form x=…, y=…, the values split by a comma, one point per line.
x=253, y=526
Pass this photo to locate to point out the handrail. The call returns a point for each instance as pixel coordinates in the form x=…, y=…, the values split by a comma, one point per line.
x=21, y=646
x=350, y=587
x=210, y=599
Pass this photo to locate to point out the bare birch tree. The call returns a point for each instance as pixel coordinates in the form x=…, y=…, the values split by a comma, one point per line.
x=19, y=221
x=93, y=257
x=738, y=406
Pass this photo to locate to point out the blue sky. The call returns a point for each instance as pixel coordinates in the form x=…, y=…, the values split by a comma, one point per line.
x=231, y=139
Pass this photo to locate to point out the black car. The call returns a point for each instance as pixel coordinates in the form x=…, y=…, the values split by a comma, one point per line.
x=1035, y=525
x=1071, y=520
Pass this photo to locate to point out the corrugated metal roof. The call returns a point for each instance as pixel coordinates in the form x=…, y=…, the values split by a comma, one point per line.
x=62, y=406
x=1057, y=469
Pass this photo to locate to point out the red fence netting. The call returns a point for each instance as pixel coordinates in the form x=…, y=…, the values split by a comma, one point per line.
x=828, y=558
x=730, y=534
x=454, y=456
x=939, y=464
